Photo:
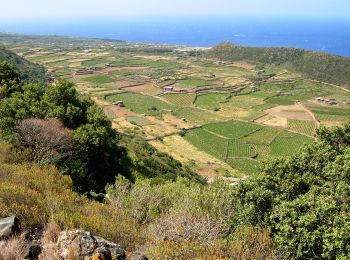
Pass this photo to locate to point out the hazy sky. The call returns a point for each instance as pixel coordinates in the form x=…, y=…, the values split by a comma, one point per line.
x=39, y=9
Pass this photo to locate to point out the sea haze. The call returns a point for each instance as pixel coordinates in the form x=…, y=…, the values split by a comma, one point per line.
x=327, y=35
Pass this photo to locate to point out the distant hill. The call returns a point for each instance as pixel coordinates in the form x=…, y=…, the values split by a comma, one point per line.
x=54, y=40
x=310, y=64
x=30, y=72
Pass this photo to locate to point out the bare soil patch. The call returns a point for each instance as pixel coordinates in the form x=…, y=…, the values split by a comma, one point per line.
x=176, y=122
x=296, y=111
x=121, y=111
x=271, y=120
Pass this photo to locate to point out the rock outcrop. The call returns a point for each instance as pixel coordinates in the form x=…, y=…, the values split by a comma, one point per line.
x=86, y=246
x=9, y=226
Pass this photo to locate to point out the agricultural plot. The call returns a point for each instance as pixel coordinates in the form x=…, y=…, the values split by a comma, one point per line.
x=211, y=101
x=196, y=116
x=262, y=150
x=210, y=143
x=98, y=61
x=287, y=146
x=232, y=129
x=166, y=64
x=247, y=166
x=191, y=83
x=239, y=148
x=264, y=136
x=244, y=101
x=247, y=141
x=141, y=104
x=302, y=126
x=180, y=99
x=330, y=116
x=99, y=79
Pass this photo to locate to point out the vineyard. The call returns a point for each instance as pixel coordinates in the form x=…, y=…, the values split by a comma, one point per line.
x=180, y=99
x=302, y=126
x=211, y=101
x=208, y=142
x=288, y=145
x=234, y=140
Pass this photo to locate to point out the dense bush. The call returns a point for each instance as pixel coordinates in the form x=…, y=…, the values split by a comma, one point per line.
x=304, y=199
x=87, y=135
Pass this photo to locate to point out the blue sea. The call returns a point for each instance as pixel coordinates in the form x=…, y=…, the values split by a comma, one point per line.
x=320, y=34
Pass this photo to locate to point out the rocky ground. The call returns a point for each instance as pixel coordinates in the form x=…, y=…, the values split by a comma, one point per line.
x=59, y=245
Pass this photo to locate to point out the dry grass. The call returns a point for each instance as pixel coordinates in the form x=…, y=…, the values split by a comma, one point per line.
x=73, y=254
x=51, y=233
x=12, y=249
x=49, y=241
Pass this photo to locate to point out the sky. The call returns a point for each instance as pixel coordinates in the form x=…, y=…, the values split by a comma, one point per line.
x=55, y=9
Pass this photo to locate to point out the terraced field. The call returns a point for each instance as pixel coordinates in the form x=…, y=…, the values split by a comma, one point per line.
x=99, y=79
x=141, y=104
x=211, y=101
x=228, y=104
x=249, y=142
x=180, y=99
x=302, y=126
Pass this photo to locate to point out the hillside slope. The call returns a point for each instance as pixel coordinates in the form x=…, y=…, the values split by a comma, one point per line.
x=310, y=64
x=30, y=72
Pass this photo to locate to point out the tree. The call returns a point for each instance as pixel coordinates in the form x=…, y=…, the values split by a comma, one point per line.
x=20, y=105
x=62, y=101
x=96, y=154
x=9, y=80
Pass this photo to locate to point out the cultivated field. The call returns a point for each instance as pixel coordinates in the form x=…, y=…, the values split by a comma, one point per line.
x=223, y=118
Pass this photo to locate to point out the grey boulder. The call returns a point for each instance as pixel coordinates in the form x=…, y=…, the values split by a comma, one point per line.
x=86, y=246
x=9, y=226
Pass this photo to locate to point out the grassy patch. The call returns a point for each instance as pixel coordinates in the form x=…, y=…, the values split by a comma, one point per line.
x=250, y=167
x=197, y=116
x=99, y=79
x=141, y=104
x=210, y=101
x=191, y=83
x=137, y=120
